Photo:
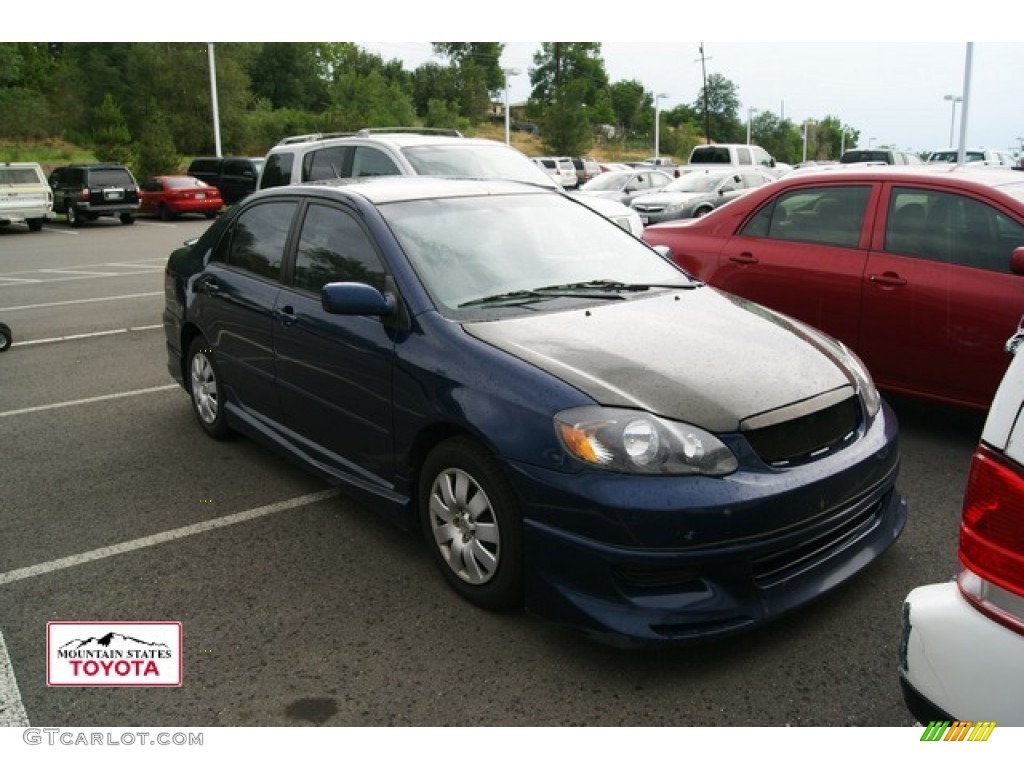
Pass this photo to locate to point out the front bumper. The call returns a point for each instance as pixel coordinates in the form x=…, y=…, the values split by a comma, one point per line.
x=656, y=561
x=957, y=664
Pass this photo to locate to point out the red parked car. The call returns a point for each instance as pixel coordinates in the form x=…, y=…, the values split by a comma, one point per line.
x=171, y=196
x=919, y=270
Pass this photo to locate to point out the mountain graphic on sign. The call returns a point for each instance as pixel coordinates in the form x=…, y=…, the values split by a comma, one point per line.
x=110, y=641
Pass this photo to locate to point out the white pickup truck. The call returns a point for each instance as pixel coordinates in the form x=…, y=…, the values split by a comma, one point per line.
x=711, y=156
x=25, y=195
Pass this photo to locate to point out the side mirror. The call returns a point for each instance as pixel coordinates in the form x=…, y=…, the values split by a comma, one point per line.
x=356, y=299
x=1017, y=261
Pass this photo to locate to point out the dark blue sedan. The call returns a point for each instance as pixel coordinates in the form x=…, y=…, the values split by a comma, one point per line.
x=575, y=424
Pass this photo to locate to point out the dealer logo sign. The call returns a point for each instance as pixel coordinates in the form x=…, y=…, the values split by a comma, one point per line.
x=131, y=653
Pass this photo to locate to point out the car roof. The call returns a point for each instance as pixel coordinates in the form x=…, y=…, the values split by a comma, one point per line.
x=391, y=189
x=987, y=176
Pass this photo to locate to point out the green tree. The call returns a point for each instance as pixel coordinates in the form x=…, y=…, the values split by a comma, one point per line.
x=566, y=127
x=290, y=75
x=718, y=105
x=111, y=139
x=630, y=104
x=579, y=64
x=155, y=151
x=485, y=57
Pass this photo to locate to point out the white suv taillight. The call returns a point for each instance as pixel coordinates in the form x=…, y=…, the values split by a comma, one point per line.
x=992, y=538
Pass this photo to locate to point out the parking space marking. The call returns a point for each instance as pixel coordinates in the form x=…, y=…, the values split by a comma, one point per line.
x=88, y=401
x=80, y=336
x=12, y=711
x=161, y=538
x=73, y=272
x=80, y=301
x=20, y=280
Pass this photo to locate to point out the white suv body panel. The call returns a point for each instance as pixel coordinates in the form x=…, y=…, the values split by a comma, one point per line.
x=25, y=195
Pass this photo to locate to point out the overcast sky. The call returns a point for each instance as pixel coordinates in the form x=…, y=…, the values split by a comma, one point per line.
x=892, y=92
x=890, y=89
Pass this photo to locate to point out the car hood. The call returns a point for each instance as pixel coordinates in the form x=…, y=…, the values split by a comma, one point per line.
x=669, y=198
x=697, y=355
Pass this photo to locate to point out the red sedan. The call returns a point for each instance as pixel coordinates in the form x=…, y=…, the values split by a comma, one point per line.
x=918, y=270
x=171, y=196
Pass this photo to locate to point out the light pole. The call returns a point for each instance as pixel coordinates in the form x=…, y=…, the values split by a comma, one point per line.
x=657, y=123
x=750, y=114
x=952, y=121
x=508, y=73
x=807, y=123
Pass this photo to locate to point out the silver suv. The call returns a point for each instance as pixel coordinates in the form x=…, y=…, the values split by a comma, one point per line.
x=413, y=152
x=393, y=152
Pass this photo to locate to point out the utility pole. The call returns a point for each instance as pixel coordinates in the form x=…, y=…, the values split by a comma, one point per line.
x=707, y=119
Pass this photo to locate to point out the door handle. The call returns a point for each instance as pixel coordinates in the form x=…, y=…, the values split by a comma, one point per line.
x=208, y=285
x=889, y=279
x=286, y=315
x=744, y=258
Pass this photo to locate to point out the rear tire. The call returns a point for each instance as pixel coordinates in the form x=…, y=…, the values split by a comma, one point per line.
x=127, y=218
x=34, y=224
x=206, y=386
x=472, y=524
x=6, y=337
x=163, y=213
x=74, y=217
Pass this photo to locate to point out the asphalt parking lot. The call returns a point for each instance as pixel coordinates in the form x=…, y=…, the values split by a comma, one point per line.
x=300, y=607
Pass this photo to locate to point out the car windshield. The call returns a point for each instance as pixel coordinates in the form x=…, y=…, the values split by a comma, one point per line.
x=950, y=156
x=19, y=176
x=607, y=182
x=501, y=250
x=476, y=162
x=183, y=182
x=693, y=182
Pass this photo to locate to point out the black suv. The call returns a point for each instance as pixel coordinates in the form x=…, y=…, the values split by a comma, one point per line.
x=86, y=192
x=235, y=177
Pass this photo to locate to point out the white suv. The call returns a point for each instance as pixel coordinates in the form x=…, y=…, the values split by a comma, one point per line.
x=962, y=648
x=25, y=195
x=414, y=152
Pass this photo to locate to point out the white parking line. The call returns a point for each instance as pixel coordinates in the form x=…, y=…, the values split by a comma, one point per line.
x=74, y=272
x=12, y=711
x=79, y=336
x=80, y=301
x=20, y=280
x=160, y=538
x=87, y=401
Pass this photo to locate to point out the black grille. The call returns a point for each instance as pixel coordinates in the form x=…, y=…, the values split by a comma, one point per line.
x=847, y=528
x=807, y=437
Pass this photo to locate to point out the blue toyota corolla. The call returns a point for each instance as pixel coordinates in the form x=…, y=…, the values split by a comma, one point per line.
x=575, y=424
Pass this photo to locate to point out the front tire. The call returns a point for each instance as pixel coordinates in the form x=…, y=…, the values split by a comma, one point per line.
x=164, y=213
x=206, y=386
x=6, y=337
x=472, y=524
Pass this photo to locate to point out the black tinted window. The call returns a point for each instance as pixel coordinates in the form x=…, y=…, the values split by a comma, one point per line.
x=257, y=239
x=277, y=172
x=110, y=177
x=238, y=168
x=327, y=163
x=827, y=215
x=334, y=248
x=951, y=228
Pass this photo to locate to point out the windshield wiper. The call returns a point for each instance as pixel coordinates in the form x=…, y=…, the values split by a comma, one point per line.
x=616, y=286
x=590, y=289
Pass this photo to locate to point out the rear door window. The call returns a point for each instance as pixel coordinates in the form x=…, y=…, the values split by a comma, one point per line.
x=257, y=239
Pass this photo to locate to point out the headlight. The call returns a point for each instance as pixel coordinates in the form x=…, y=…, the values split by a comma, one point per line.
x=865, y=384
x=621, y=440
